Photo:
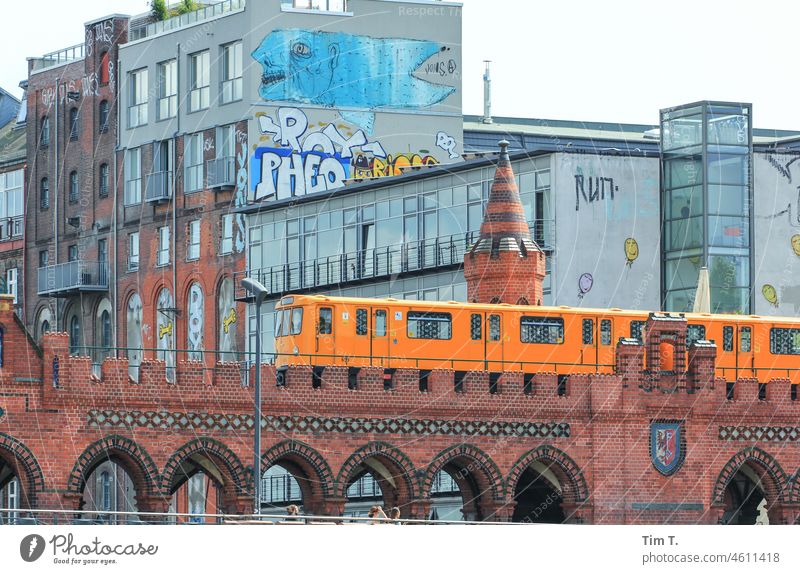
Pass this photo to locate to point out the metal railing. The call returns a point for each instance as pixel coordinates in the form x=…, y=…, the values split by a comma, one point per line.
x=366, y=264
x=11, y=228
x=158, y=186
x=63, y=56
x=73, y=276
x=217, y=9
x=221, y=172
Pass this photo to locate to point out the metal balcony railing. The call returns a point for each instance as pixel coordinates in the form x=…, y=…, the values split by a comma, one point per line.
x=367, y=264
x=211, y=11
x=221, y=172
x=73, y=277
x=63, y=56
x=11, y=228
x=159, y=186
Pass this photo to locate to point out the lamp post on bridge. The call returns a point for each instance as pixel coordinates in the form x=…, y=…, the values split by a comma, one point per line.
x=259, y=292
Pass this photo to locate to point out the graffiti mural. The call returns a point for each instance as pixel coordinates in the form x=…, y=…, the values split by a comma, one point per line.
x=196, y=322
x=631, y=251
x=240, y=198
x=585, y=283
x=340, y=70
x=447, y=143
x=134, y=335
x=770, y=294
x=165, y=331
x=597, y=188
x=228, y=321
x=308, y=158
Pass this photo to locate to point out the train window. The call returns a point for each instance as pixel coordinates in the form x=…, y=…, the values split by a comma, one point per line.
x=475, y=327
x=361, y=321
x=422, y=325
x=380, y=323
x=494, y=327
x=727, y=339
x=278, y=323
x=605, y=332
x=286, y=322
x=695, y=333
x=588, y=331
x=325, y=325
x=547, y=330
x=637, y=330
x=297, y=320
x=744, y=340
x=784, y=341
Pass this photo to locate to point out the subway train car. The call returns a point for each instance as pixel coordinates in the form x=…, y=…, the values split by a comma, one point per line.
x=320, y=331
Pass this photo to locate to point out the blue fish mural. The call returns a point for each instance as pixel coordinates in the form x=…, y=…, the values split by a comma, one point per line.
x=335, y=69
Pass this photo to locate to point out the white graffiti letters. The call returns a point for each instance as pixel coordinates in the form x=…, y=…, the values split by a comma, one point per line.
x=447, y=143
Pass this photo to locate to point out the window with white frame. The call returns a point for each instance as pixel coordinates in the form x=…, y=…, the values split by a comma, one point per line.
x=199, y=81
x=226, y=245
x=231, y=88
x=133, y=176
x=163, y=246
x=137, y=107
x=11, y=282
x=226, y=141
x=167, y=89
x=193, y=251
x=193, y=158
x=133, y=251
x=11, y=206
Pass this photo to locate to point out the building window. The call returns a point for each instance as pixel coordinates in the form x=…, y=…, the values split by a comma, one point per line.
x=167, y=89
x=105, y=490
x=193, y=158
x=137, y=108
x=72, y=253
x=74, y=335
x=163, y=246
x=104, y=69
x=73, y=124
x=133, y=177
x=44, y=193
x=44, y=258
x=12, y=278
x=103, y=113
x=199, y=77
x=231, y=89
x=103, y=179
x=226, y=245
x=226, y=142
x=73, y=186
x=133, y=251
x=193, y=252
x=11, y=208
x=45, y=139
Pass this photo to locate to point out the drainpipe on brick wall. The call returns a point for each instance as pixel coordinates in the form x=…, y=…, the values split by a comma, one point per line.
x=115, y=308
x=55, y=202
x=175, y=205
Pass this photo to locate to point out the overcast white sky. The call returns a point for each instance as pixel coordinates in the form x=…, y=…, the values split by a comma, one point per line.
x=610, y=60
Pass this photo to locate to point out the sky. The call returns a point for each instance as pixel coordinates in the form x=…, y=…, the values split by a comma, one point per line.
x=611, y=60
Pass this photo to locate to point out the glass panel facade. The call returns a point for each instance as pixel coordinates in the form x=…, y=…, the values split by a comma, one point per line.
x=706, y=204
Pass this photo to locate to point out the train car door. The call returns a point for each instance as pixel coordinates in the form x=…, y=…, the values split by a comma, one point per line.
x=325, y=341
x=494, y=342
x=745, y=357
x=589, y=343
x=379, y=337
x=605, y=338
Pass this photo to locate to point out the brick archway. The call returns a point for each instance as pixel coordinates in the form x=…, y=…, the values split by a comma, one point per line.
x=235, y=490
x=573, y=484
x=793, y=489
x=478, y=477
x=399, y=465
x=132, y=457
x=25, y=466
x=308, y=467
x=773, y=478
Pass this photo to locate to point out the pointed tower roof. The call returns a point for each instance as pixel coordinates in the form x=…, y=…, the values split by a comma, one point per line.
x=504, y=226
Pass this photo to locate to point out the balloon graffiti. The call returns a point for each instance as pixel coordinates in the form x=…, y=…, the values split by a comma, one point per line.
x=631, y=251
x=796, y=244
x=770, y=294
x=585, y=283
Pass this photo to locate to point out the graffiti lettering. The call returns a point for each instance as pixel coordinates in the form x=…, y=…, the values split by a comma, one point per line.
x=366, y=168
x=285, y=173
x=208, y=144
x=241, y=190
x=104, y=31
x=90, y=85
x=447, y=143
x=48, y=96
x=442, y=68
x=783, y=169
x=597, y=188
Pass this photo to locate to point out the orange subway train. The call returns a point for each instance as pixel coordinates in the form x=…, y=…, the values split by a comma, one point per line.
x=321, y=331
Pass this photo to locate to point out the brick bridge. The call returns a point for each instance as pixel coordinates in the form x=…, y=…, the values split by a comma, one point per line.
x=586, y=438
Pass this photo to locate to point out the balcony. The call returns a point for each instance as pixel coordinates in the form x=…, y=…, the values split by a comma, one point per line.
x=213, y=10
x=221, y=172
x=58, y=58
x=159, y=186
x=379, y=263
x=11, y=228
x=74, y=277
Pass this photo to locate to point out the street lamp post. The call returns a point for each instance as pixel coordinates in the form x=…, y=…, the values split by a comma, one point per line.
x=259, y=292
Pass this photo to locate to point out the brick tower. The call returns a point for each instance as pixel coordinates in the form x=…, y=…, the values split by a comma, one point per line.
x=505, y=265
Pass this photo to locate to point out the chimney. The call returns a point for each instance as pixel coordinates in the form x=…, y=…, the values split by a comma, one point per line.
x=504, y=265
x=487, y=94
